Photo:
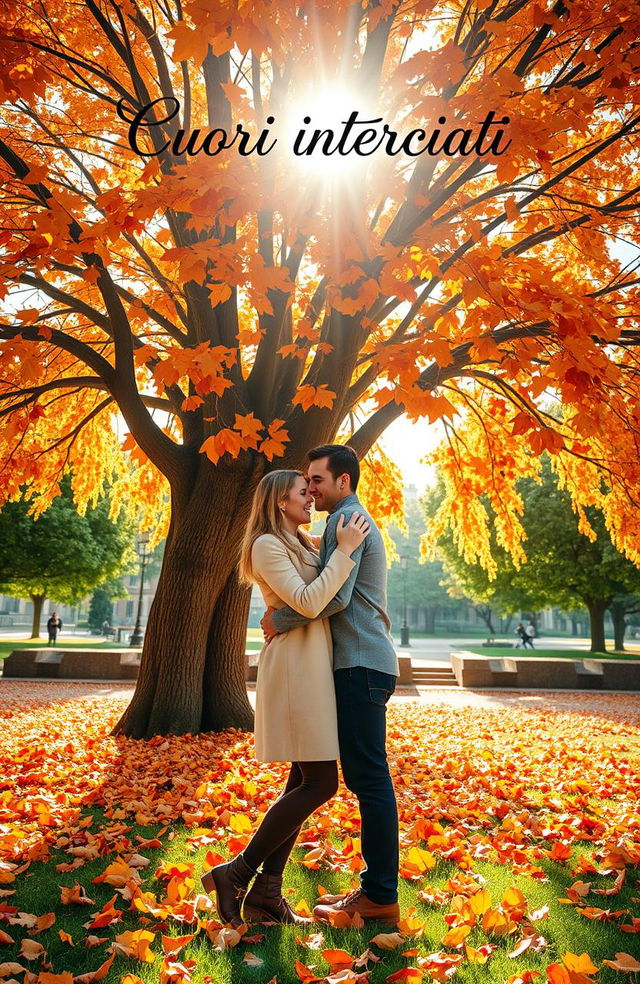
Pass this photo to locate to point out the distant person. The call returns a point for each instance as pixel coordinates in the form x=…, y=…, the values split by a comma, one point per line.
x=106, y=628
x=531, y=634
x=53, y=627
x=521, y=633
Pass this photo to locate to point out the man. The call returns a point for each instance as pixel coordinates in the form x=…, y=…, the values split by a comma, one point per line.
x=53, y=627
x=365, y=671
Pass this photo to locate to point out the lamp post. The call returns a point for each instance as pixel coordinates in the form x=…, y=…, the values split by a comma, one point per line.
x=404, y=630
x=143, y=541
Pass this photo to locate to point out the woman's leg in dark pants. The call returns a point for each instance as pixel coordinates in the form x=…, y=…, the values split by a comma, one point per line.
x=277, y=860
x=274, y=839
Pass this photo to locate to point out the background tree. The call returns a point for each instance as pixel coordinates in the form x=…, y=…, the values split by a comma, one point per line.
x=425, y=595
x=61, y=555
x=101, y=603
x=504, y=594
x=623, y=607
x=570, y=560
x=261, y=308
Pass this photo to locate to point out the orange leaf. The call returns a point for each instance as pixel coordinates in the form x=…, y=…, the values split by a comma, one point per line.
x=100, y=973
x=135, y=944
x=191, y=403
x=338, y=958
x=273, y=445
x=456, y=936
x=579, y=964
x=172, y=945
x=310, y=396
x=305, y=974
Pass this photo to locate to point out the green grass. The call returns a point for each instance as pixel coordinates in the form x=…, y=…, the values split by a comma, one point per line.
x=38, y=891
x=555, y=653
x=7, y=646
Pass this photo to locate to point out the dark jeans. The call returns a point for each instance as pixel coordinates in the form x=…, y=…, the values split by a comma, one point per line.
x=361, y=696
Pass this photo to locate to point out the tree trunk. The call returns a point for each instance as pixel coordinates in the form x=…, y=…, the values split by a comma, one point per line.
x=485, y=614
x=618, y=617
x=196, y=621
x=38, y=602
x=574, y=625
x=505, y=624
x=224, y=696
x=430, y=619
x=597, y=608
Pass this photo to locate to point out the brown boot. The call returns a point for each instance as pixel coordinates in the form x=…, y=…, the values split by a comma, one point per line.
x=265, y=903
x=357, y=901
x=230, y=882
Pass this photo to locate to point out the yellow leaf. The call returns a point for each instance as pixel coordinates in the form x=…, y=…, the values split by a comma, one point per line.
x=579, y=964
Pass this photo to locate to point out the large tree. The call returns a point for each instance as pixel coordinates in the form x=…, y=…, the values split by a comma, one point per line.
x=235, y=309
x=62, y=555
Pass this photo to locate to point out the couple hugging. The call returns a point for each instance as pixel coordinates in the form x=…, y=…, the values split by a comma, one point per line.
x=325, y=674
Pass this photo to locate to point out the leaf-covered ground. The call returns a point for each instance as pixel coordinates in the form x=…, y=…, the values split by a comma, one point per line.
x=520, y=827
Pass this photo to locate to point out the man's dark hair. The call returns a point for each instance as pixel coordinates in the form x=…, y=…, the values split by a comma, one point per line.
x=341, y=459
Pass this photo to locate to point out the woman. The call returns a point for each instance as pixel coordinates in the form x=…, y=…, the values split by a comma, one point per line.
x=295, y=698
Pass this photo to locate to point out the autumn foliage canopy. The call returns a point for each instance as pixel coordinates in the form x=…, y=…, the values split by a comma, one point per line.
x=235, y=310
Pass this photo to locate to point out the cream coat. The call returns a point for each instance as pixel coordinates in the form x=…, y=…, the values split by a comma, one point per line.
x=295, y=698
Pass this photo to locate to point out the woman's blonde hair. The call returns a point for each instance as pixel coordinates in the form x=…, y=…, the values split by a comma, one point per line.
x=265, y=515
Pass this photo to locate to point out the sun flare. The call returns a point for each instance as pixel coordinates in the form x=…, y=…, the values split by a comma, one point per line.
x=314, y=125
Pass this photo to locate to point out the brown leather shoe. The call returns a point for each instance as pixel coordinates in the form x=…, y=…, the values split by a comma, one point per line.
x=357, y=901
x=230, y=882
x=265, y=903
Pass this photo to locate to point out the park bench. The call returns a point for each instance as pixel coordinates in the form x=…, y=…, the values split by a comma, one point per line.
x=73, y=664
x=545, y=673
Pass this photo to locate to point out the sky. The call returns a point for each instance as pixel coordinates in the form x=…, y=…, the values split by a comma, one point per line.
x=407, y=443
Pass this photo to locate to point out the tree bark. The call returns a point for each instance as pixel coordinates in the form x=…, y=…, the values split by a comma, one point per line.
x=618, y=616
x=597, y=608
x=224, y=696
x=196, y=621
x=38, y=602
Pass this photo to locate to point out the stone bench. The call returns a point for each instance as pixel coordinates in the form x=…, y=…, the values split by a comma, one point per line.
x=85, y=664
x=545, y=673
x=73, y=664
x=114, y=664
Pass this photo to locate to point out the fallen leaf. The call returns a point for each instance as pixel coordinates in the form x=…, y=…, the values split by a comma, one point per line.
x=624, y=962
x=389, y=941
